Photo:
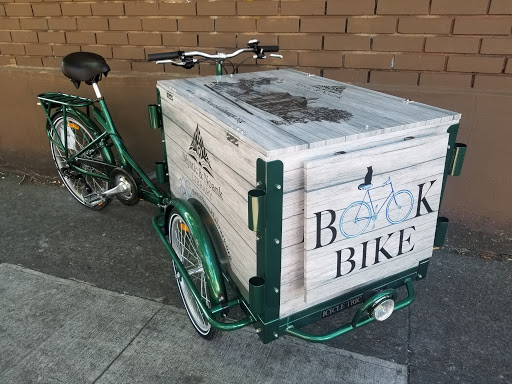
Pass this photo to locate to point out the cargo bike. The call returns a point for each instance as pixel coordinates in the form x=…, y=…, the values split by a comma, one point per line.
x=290, y=196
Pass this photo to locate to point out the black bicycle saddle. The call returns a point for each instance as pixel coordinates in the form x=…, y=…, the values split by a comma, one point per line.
x=84, y=66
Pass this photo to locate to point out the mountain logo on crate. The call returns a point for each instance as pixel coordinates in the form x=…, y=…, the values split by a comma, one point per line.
x=198, y=152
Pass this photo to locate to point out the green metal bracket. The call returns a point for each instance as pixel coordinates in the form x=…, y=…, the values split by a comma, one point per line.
x=266, y=219
x=453, y=166
x=441, y=229
x=362, y=316
x=155, y=116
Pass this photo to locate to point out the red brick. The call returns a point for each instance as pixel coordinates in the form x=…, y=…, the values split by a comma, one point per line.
x=508, y=69
x=376, y=24
x=76, y=9
x=257, y=8
x=129, y=53
x=12, y=49
x=385, y=77
x=397, y=43
x=18, y=10
x=7, y=60
x=120, y=65
x=302, y=7
x=52, y=37
x=62, y=24
x=9, y=24
x=144, y=38
x=178, y=9
x=107, y=9
x=272, y=24
x=457, y=7
x=34, y=23
x=38, y=50
x=475, y=64
x=29, y=61
x=102, y=50
x=347, y=43
x=239, y=24
x=323, y=24
x=179, y=39
x=496, y=46
x=203, y=24
x=452, y=44
x=114, y=38
x=92, y=24
x=80, y=37
x=217, y=40
x=420, y=62
x=501, y=7
x=482, y=25
x=425, y=24
x=320, y=59
x=368, y=60
x=24, y=37
x=65, y=49
x=302, y=41
x=126, y=24
x=141, y=66
x=453, y=80
x=216, y=8
x=159, y=24
x=267, y=39
x=501, y=83
x=355, y=76
x=51, y=62
x=46, y=9
x=5, y=36
x=136, y=8
x=403, y=7
x=350, y=7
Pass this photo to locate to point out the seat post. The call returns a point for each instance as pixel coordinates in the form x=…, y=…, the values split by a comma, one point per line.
x=97, y=90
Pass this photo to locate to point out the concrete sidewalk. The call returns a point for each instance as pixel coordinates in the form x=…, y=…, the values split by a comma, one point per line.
x=60, y=331
x=456, y=331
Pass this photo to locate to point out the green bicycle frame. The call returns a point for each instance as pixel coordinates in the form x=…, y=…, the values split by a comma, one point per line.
x=68, y=104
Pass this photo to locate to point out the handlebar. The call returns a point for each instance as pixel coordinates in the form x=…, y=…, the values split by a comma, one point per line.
x=164, y=56
x=187, y=58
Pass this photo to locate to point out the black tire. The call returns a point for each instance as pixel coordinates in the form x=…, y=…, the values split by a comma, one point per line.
x=182, y=242
x=85, y=189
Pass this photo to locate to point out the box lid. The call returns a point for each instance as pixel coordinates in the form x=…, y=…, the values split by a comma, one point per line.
x=286, y=110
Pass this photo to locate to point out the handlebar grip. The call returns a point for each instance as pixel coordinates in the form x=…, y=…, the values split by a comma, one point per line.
x=164, y=56
x=269, y=48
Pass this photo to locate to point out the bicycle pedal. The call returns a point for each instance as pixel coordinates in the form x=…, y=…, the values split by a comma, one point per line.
x=93, y=199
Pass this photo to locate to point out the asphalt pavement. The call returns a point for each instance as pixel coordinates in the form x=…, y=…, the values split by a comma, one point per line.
x=88, y=297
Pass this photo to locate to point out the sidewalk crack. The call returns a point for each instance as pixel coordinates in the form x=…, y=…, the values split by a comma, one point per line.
x=127, y=345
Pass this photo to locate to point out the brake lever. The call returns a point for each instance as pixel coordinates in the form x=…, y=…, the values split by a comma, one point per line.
x=264, y=57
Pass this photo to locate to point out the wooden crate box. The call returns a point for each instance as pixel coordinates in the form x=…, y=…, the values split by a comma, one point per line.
x=363, y=173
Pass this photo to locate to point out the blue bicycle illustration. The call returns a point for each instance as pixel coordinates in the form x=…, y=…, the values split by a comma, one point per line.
x=357, y=216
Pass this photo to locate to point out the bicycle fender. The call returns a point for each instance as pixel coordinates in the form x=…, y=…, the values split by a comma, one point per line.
x=204, y=245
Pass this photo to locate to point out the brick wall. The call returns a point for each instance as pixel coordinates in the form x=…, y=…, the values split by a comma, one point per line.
x=454, y=43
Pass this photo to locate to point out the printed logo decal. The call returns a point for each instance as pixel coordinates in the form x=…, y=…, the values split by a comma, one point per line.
x=198, y=152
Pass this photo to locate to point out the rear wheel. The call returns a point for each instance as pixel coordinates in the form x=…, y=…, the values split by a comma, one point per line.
x=86, y=189
x=183, y=243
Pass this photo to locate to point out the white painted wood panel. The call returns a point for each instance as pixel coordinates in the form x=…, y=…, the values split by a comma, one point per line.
x=352, y=233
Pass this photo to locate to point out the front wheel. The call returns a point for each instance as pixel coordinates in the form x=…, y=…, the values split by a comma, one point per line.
x=399, y=206
x=355, y=219
x=76, y=135
x=183, y=243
